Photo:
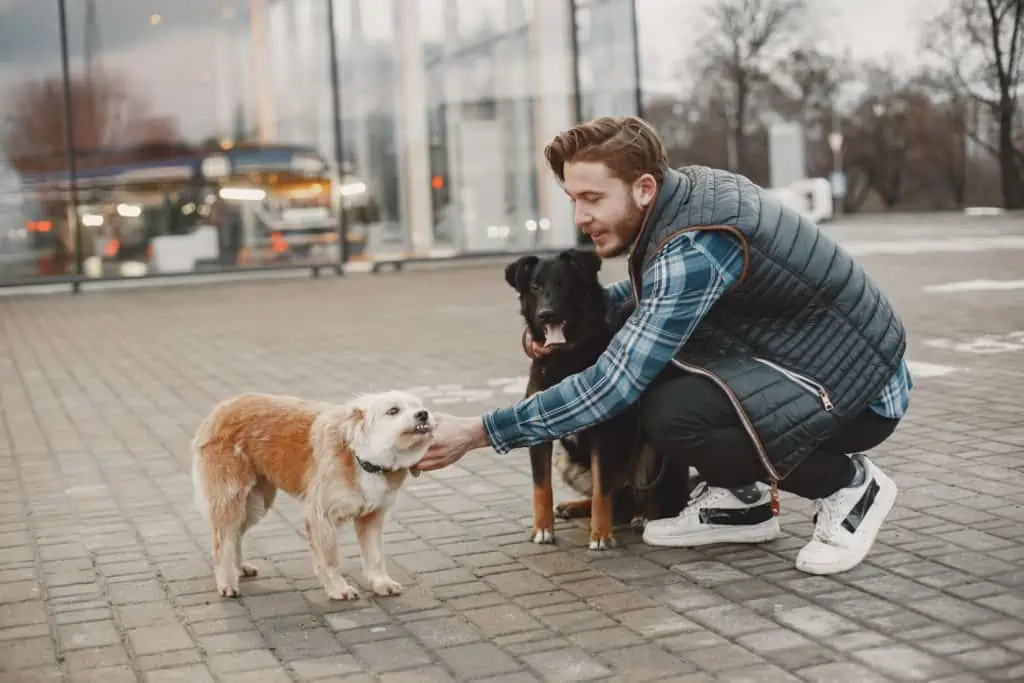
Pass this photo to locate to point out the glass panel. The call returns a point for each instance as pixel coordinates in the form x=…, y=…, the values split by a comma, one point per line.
x=189, y=159
x=484, y=153
x=606, y=58
x=368, y=74
x=37, y=227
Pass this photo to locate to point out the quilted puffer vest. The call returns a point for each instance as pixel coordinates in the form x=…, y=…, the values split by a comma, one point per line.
x=804, y=342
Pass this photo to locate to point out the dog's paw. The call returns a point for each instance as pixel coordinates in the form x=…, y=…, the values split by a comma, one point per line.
x=543, y=536
x=343, y=592
x=638, y=523
x=227, y=591
x=576, y=509
x=385, y=585
x=248, y=571
x=601, y=541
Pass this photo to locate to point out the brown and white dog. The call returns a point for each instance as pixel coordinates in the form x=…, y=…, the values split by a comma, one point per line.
x=345, y=462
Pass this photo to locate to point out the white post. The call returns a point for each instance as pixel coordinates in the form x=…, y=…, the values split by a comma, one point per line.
x=413, y=142
x=265, y=115
x=551, y=30
x=453, y=99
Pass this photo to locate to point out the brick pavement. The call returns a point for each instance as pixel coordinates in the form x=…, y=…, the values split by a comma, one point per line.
x=104, y=562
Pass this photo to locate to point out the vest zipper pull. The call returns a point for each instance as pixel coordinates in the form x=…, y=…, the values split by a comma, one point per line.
x=775, y=498
x=826, y=402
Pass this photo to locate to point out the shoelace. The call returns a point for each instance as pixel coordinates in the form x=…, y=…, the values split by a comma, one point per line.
x=701, y=495
x=826, y=522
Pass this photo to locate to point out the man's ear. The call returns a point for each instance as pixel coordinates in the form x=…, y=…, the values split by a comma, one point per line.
x=644, y=190
x=586, y=262
x=518, y=273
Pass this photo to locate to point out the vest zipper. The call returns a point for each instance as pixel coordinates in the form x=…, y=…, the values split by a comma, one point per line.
x=744, y=419
x=802, y=381
x=748, y=426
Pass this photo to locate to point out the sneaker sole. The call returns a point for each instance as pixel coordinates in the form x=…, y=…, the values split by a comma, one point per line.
x=757, y=533
x=884, y=502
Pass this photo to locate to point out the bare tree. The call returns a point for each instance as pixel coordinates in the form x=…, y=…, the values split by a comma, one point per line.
x=105, y=113
x=983, y=43
x=748, y=39
x=806, y=88
x=877, y=138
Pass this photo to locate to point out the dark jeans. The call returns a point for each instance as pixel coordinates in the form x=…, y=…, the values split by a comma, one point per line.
x=689, y=418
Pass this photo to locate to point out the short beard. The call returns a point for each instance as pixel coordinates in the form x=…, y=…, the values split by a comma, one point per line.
x=629, y=224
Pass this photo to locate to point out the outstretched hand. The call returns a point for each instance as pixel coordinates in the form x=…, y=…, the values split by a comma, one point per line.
x=453, y=437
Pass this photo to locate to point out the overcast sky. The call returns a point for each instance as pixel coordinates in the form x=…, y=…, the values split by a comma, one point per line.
x=870, y=29
x=174, y=62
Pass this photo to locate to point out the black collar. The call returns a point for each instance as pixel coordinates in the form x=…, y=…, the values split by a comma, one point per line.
x=374, y=469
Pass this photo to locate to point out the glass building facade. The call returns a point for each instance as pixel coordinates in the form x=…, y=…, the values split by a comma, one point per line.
x=171, y=136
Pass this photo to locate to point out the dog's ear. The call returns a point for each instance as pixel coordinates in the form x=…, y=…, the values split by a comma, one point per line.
x=353, y=425
x=518, y=273
x=586, y=262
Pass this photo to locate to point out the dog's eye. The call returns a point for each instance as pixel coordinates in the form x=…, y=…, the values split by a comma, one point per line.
x=393, y=410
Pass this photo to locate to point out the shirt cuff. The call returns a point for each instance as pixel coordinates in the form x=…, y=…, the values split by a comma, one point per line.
x=502, y=429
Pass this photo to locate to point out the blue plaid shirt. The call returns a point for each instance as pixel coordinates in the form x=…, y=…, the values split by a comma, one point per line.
x=679, y=287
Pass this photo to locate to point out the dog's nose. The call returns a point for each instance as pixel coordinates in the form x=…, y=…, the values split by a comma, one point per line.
x=545, y=314
x=422, y=416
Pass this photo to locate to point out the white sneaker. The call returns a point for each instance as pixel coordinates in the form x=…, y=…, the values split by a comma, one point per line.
x=717, y=515
x=847, y=522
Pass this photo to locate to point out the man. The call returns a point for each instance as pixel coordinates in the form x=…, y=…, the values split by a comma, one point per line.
x=759, y=351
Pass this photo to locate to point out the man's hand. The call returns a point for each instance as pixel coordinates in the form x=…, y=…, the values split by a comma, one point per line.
x=534, y=350
x=453, y=438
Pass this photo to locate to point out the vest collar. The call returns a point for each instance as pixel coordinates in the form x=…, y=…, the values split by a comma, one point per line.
x=673, y=191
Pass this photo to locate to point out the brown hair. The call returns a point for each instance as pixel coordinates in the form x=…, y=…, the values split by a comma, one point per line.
x=628, y=145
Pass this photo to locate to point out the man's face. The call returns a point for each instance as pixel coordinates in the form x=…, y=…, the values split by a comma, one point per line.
x=607, y=209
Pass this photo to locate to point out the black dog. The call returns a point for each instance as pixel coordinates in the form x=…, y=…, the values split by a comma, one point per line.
x=563, y=304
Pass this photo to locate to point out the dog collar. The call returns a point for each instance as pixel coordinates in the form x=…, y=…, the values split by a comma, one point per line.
x=374, y=469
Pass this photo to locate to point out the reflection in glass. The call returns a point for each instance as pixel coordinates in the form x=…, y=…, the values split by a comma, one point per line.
x=37, y=229
x=606, y=58
x=479, y=66
x=182, y=165
x=205, y=136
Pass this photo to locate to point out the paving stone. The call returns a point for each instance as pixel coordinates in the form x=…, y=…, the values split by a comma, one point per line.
x=445, y=632
x=815, y=621
x=645, y=662
x=275, y=675
x=88, y=634
x=325, y=667
x=171, y=659
x=112, y=674
x=842, y=672
x=196, y=673
x=904, y=662
x=396, y=653
x=722, y=657
x=566, y=665
x=149, y=640
x=96, y=489
x=477, y=660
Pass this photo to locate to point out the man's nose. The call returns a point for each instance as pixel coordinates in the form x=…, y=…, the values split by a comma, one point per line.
x=581, y=217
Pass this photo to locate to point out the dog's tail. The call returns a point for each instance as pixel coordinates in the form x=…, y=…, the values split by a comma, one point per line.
x=199, y=441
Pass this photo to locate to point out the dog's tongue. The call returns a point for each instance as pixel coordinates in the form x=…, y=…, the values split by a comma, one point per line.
x=554, y=334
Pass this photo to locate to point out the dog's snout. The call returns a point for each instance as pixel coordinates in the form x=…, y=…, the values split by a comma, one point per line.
x=545, y=314
x=422, y=416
